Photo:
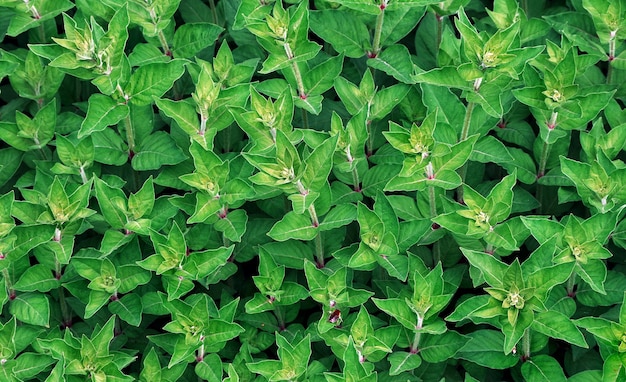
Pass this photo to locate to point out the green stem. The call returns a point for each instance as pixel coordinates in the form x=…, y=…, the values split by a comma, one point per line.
x=130, y=140
x=355, y=180
x=571, y=284
x=203, y=121
x=83, y=175
x=130, y=136
x=433, y=214
x=7, y=281
x=305, y=119
x=526, y=345
x=227, y=136
x=525, y=7
x=609, y=71
x=164, y=44
x=319, y=250
x=467, y=121
x=439, y=33
x=279, y=316
x=543, y=160
x=489, y=248
x=417, y=336
x=370, y=137
x=65, y=314
x=200, y=353
x=303, y=191
x=213, y=11
x=545, y=152
x=464, y=134
x=298, y=75
x=378, y=31
x=314, y=220
x=432, y=201
x=42, y=33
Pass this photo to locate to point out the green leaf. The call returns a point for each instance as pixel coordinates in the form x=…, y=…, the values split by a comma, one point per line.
x=347, y=34
x=28, y=365
x=338, y=216
x=176, y=286
x=142, y=202
x=321, y=78
x=191, y=38
x=488, y=266
x=400, y=19
x=153, y=80
x=128, y=308
x=395, y=61
x=37, y=278
x=438, y=348
x=490, y=149
x=185, y=115
x=31, y=308
x=233, y=225
x=22, y=21
x=594, y=273
x=112, y=203
x=293, y=226
x=557, y=325
x=403, y=361
x=386, y=99
x=614, y=367
x=399, y=310
x=103, y=111
x=543, y=368
x=156, y=150
x=485, y=349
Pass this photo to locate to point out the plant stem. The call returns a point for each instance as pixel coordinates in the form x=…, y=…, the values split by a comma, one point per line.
x=416, y=342
x=433, y=214
x=378, y=31
x=203, y=121
x=489, y=249
x=298, y=75
x=432, y=201
x=200, y=353
x=164, y=44
x=543, y=160
x=7, y=281
x=439, y=34
x=213, y=11
x=83, y=175
x=609, y=71
x=571, y=284
x=130, y=140
x=525, y=7
x=130, y=136
x=303, y=191
x=370, y=137
x=42, y=33
x=526, y=345
x=355, y=180
x=305, y=119
x=467, y=121
x=417, y=335
x=464, y=134
x=314, y=220
x=279, y=316
x=319, y=250
x=67, y=319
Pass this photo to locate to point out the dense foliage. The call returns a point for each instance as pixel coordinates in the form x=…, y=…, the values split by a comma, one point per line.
x=346, y=190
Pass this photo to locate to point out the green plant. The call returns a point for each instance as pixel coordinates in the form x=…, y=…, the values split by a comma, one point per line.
x=288, y=190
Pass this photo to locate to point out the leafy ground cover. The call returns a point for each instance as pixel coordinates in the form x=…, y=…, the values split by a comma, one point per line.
x=347, y=190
